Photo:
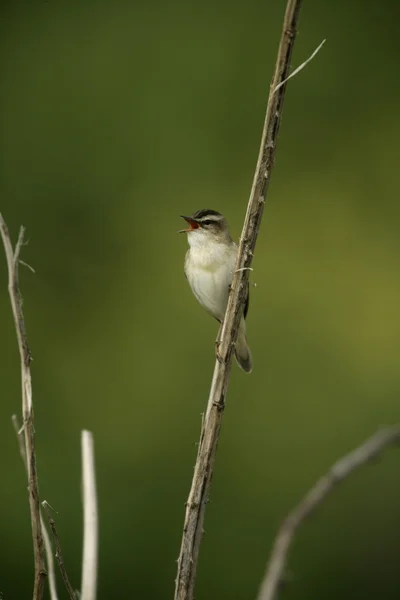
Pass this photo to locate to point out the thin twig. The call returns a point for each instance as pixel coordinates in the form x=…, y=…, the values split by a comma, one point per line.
x=27, y=410
x=198, y=496
x=25, y=264
x=46, y=538
x=371, y=448
x=300, y=67
x=90, y=519
x=50, y=561
x=59, y=555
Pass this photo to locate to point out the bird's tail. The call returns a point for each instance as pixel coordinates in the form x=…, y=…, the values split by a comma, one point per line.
x=242, y=350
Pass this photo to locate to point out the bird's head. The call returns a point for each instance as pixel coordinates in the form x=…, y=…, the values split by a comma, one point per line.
x=206, y=225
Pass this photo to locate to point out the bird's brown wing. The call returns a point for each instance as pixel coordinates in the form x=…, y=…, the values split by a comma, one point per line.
x=247, y=301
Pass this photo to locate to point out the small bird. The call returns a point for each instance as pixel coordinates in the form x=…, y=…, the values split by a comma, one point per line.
x=209, y=267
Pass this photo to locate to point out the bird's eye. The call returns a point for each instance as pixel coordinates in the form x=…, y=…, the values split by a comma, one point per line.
x=207, y=222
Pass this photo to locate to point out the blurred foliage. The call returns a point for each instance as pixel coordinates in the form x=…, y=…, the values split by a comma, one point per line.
x=118, y=117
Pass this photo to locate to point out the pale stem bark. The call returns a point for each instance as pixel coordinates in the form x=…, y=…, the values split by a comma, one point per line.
x=198, y=497
x=12, y=257
x=46, y=538
x=90, y=519
x=344, y=467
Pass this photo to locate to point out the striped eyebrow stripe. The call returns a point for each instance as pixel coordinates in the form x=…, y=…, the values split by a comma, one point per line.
x=206, y=212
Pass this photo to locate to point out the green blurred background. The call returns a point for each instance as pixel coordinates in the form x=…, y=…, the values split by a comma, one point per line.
x=115, y=119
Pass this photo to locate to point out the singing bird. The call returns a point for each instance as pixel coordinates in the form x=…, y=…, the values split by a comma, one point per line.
x=209, y=267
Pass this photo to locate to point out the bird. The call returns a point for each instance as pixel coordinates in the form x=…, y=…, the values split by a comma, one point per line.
x=209, y=268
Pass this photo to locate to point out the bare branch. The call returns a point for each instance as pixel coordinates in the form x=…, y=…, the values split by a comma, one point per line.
x=46, y=537
x=324, y=486
x=198, y=497
x=59, y=555
x=90, y=519
x=27, y=410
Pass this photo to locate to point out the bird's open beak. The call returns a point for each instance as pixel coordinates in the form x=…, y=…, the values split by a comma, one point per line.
x=192, y=222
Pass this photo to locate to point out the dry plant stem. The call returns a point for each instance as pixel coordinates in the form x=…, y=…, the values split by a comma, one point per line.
x=50, y=562
x=46, y=537
x=90, y=519
x=343, y=468
x=27, y=409
x=59, y=555
x=198, y=497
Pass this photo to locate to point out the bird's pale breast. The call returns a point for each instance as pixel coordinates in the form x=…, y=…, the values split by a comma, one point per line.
x=210, y=272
